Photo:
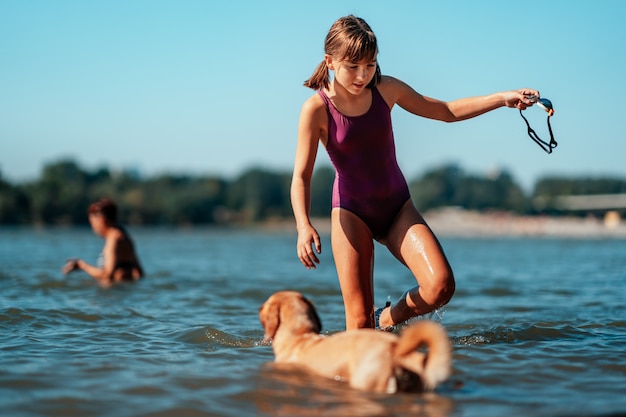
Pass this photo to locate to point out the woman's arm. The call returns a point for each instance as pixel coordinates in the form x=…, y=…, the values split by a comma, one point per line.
x=91, y=270
x=396, y=91
x=310, y=130
x=102, y=275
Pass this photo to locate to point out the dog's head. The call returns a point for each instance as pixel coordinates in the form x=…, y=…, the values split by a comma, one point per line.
x=290, y=311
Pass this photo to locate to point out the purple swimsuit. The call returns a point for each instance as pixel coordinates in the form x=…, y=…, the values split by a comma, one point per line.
x=368, y=180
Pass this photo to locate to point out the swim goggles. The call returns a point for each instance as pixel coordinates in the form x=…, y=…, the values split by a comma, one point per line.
x=545, y=104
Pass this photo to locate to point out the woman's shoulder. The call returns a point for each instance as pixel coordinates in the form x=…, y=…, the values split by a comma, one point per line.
x=117, y=234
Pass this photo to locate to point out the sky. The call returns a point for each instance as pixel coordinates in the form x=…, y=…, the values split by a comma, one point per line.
x=215, y=87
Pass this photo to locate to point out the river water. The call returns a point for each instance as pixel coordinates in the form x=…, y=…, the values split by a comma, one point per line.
x=538, y=327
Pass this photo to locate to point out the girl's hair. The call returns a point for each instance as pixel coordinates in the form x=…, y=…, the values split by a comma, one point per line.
x=349, y=39
x=106, y=208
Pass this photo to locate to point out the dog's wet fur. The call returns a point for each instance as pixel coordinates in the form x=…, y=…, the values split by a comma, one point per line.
x=367, y=359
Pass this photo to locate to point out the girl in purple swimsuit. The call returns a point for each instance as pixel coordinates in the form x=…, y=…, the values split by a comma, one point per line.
x=350, y=115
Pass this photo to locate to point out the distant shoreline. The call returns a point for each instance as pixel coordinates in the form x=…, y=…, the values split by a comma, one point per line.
x=457, y=222
x=445, y=222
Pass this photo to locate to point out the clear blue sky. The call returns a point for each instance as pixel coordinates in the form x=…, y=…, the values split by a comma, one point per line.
x=208, y=87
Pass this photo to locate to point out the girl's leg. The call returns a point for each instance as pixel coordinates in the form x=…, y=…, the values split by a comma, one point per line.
x=353, y=251
x=414, y=244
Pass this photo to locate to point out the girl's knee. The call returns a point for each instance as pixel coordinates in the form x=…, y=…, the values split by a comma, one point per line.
x=442, y=290
x=447, y=291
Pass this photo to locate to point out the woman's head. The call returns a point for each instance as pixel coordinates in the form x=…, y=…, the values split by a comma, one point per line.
x=102, y=214
x=349, y=39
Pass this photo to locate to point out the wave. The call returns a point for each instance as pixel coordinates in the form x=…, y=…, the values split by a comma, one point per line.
x=222, y=339
x=216, y=339
x=43, y=318
x=545, y=331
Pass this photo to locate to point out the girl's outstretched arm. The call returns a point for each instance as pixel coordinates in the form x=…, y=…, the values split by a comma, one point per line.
x=397, y=92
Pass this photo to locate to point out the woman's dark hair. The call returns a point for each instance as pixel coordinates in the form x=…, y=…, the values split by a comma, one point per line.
x=106, y=208
x=349, y=39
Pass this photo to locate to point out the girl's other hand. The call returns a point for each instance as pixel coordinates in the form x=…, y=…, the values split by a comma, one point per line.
x=308, y=238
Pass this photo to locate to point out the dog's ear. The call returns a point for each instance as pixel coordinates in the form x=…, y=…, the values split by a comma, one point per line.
x=269, y=314
x=313, y=316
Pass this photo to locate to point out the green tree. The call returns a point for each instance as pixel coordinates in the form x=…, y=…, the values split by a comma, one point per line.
x=60, y=196
x=450, y=186
x=259, y=194
x=175, y=199
x=14, y=204
x=437, y=188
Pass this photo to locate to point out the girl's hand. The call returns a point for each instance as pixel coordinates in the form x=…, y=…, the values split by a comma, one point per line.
x=308, y=238
x=70, y=265
x=520, y=99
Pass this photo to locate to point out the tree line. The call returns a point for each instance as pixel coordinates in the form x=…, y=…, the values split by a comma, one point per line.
x=64, y=190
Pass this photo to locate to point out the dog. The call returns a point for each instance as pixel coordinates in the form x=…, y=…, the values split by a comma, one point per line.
x=368, y=359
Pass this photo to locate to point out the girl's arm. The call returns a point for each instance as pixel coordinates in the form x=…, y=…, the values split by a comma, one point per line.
x=396, y=91
x=310, y=131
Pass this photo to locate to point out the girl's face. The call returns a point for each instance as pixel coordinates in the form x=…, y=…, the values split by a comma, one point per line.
x=353, y=76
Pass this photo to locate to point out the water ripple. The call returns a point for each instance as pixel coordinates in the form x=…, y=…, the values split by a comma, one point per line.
x=543, y=331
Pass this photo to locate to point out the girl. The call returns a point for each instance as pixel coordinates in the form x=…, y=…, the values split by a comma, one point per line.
x=119, y=262
x=351, y=116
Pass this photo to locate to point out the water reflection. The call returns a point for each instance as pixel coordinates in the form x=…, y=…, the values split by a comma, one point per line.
x=284, y=390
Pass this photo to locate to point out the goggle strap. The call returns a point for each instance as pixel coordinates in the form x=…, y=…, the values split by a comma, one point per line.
x=553, y=143
x=546, y=146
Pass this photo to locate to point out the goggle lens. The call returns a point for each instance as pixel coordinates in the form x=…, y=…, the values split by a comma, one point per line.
x=546, y=104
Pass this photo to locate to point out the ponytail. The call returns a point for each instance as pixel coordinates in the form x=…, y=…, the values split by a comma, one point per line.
x=320, y=77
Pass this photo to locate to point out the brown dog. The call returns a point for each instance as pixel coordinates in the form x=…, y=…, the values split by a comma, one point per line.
x=368, y=359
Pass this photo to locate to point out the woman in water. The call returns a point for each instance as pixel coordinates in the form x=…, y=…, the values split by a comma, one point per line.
x=119, y=261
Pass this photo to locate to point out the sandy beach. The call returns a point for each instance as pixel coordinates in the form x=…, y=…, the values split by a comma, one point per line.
x=459, y=222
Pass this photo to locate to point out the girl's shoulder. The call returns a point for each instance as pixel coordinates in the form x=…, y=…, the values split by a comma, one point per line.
x=313, y=114
x=391, y=88
x=387, y=82
x=314, y=104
